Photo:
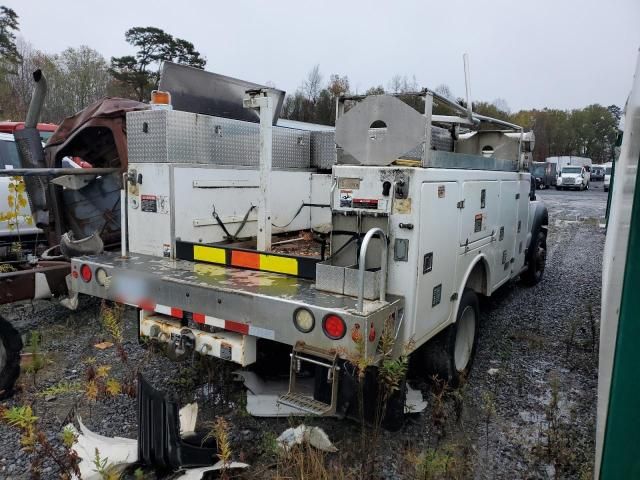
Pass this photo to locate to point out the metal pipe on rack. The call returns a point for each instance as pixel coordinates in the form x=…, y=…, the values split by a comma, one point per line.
x=55, y=172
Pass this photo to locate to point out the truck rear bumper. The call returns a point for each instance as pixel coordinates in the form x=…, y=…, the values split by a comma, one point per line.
x=253, y=303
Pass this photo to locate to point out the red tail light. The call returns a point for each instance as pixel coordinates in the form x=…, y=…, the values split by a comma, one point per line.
x=85, y=272
x=334, y=327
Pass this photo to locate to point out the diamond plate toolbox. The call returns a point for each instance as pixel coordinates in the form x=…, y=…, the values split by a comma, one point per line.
x=323, y=149
x=170, y=136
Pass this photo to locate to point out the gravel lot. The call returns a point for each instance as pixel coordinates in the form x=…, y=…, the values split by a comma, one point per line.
x=526, y=411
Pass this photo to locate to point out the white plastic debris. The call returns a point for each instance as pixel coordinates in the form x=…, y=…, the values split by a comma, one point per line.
x=314, y=436
x=493, y=371
x=198, y=473
x=116, y=451
x=188, y=416
x=414, y=402
x=262, y=396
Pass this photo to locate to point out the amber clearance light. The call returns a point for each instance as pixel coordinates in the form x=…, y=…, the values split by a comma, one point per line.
x=160, y=97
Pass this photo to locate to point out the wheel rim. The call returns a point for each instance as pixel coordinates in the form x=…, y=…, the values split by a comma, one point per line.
x=465, y=334
x=3, y=356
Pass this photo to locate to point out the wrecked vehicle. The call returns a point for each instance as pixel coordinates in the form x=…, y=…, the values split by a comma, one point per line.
x=415, y=222
x=75, y=210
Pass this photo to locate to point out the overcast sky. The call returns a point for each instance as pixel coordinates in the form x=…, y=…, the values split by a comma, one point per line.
x=555, y=53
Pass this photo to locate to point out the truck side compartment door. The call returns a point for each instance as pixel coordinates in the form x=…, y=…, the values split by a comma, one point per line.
x=521, y=227
x=479, y=212
x=439, y=217
x=507, y=232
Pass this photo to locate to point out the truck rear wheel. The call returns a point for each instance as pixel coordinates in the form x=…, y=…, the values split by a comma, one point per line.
x=537, y=259
x=10, y=347
x=449, y=354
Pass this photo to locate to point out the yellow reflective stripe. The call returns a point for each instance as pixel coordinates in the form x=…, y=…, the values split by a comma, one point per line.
x=272, y=263
x=209, y=254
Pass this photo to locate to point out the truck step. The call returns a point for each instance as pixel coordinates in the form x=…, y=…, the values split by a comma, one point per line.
x=306, y=404
x=303, y=353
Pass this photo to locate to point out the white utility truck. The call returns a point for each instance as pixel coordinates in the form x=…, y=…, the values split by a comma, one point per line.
x=413, y=215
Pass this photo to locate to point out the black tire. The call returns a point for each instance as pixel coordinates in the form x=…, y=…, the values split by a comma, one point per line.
x=10, y=348
x=557, y=187
x=536, y=259
x=393, y=418
x=438, y=354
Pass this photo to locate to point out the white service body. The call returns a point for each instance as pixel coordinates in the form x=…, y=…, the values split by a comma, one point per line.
x=471, y=235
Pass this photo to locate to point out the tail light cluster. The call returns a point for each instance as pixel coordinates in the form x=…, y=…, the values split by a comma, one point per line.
x=86, y=274
x=333, y=326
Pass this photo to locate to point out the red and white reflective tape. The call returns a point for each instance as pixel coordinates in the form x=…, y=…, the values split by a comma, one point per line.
x=232, y=326
x=165, y=310
x=201, y=318
x=149, y=306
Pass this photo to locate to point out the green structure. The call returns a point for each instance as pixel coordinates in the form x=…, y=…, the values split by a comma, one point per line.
x=618, y=432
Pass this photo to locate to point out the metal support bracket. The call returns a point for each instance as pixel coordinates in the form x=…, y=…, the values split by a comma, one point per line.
x=261, y=101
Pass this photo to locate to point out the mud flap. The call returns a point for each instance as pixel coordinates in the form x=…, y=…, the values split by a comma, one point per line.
x=159, y=442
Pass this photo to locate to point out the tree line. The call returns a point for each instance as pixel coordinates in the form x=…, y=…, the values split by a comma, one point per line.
x=81, y=75
x=77, y=77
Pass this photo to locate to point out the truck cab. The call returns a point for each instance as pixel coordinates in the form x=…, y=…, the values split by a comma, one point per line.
x=575, y=177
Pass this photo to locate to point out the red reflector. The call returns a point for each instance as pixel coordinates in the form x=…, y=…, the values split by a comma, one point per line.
x=198, y=317
x=236, y=327
x=372, y=333
x=147, y=305
x=85, y=272
x=334, y=327
x=356, y=334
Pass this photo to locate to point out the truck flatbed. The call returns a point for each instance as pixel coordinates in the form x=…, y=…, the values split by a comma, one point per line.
x=255, y=299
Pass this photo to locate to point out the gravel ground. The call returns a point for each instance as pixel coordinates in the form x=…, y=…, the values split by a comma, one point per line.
x=526, y=411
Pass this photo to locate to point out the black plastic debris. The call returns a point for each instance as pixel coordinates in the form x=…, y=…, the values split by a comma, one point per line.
x=159, y=442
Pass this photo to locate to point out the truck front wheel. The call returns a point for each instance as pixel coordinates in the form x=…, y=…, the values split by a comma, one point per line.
x=10, y=347
x=537, y=259
x=449, y=354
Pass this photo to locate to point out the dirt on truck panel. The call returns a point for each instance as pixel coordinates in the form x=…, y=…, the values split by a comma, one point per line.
x=527, y=409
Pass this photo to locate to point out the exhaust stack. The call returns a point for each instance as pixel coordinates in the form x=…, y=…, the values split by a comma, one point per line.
x=37, y=100
x=32, y=154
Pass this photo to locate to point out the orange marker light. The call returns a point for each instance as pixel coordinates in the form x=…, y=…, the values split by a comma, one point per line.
x=159, y=97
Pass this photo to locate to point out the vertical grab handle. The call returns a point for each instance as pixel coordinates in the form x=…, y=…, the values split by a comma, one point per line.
x=383, y=266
